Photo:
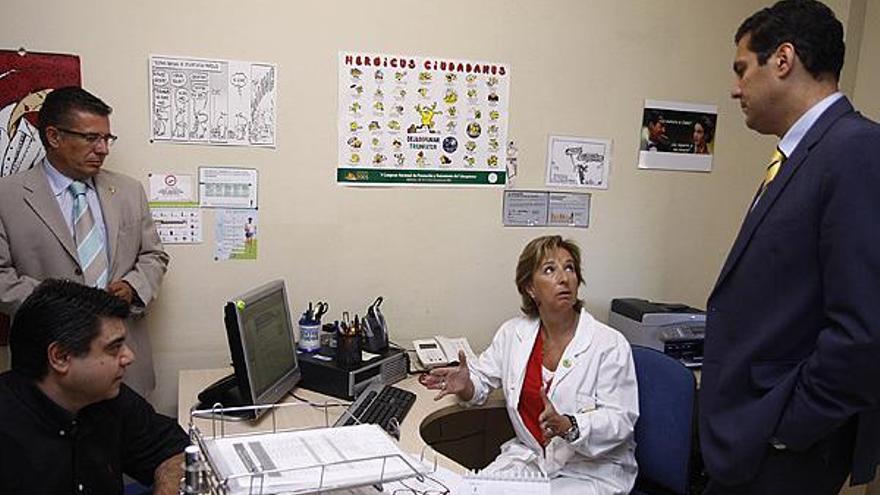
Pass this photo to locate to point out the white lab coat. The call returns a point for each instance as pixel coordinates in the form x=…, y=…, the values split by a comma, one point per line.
x=595, y=381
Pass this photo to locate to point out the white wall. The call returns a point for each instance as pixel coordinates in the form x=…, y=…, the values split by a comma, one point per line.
x=439, y=256
x=866, y=95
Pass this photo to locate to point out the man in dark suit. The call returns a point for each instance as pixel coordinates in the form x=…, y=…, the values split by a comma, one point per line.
x=789, y=394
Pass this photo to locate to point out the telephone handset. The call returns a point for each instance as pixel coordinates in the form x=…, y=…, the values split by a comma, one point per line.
x=441, y=351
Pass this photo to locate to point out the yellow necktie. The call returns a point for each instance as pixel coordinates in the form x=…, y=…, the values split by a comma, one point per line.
x=772, y=169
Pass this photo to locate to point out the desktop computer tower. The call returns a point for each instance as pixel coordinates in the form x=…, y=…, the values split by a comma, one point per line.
x=322, y=374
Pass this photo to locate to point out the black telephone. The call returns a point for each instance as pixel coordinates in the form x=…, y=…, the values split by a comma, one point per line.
x=375, y=328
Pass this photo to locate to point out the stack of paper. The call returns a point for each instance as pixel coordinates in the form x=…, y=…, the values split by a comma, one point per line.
x=309, y=460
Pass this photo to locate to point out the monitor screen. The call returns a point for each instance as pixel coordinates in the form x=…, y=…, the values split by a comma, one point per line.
x=261, y=342
x=266, y=333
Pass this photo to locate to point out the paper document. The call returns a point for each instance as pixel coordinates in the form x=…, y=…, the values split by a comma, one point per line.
x=504, y=483
x=304, y=461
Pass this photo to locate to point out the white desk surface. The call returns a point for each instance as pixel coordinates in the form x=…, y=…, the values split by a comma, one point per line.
x=191, y=382
x=425, y=409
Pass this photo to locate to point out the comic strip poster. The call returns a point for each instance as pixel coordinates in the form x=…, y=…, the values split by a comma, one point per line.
x=212, y=102
x=677, y=136
x=421, y=121
x=25, y=80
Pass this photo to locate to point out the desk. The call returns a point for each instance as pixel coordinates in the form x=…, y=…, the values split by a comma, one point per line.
x=427, y=418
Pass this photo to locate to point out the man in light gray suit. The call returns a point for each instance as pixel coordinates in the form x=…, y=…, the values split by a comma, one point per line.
x=69, y=218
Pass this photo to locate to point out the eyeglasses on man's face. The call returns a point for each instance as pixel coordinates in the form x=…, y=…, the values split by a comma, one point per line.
x=92, y=138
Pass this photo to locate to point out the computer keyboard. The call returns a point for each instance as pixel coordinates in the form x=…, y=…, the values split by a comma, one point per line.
x=379, y=404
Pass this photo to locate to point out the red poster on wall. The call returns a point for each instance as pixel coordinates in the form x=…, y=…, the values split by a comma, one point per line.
x=25, y=80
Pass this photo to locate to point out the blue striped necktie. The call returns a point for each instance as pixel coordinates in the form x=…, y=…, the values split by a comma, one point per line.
x=89, y=239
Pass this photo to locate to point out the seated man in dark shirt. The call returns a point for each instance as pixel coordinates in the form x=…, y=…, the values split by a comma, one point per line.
x=67, y=422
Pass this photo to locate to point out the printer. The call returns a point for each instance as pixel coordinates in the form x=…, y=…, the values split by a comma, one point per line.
x=675, y=329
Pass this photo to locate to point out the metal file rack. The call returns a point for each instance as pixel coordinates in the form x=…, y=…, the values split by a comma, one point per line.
x=214, y=484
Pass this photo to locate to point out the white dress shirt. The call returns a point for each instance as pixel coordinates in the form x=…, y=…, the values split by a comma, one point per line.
x=59, y=183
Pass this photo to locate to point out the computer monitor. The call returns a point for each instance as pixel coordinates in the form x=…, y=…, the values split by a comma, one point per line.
x=261, y=342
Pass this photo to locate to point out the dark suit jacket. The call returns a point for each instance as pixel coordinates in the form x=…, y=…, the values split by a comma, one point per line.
x=792, y=346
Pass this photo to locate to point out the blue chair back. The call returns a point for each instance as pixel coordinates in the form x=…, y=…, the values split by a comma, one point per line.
x=135, y=488
x=664, y=431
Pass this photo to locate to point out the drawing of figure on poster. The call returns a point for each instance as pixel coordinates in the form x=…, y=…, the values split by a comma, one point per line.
x=587, y=166
x=239, y=100
x=262, y=126
x=221, y=132
x=181, y=106
x=161, y=114
x=19, y=138
x=578, y=162
x=25, y=80
x=200, y=109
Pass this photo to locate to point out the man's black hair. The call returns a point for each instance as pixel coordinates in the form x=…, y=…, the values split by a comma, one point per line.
x=809, y=25
x=59, y=311
x=62, y=102
x=653, y=117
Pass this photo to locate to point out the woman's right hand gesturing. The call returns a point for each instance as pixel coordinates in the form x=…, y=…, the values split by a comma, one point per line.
x=450, y=380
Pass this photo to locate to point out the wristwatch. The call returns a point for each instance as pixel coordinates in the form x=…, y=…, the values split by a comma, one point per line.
x=574, y=432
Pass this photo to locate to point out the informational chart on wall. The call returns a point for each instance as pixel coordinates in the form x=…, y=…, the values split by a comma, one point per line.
x=228, y=187
x=545, y=209
x=25, y=80
x=212, y=102
x=235, y=235
x=175, y=208
x=419, y=121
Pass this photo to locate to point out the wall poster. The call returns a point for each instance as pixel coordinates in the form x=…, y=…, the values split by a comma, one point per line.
x=578, y=162
x=419, y=121
x=25, y=80
x=677, y=136
x=215, y=102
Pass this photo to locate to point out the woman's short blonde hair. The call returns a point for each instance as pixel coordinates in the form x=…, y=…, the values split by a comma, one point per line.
x=535, y=252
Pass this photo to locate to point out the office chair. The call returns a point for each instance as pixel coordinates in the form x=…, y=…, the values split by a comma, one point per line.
x=665, y=429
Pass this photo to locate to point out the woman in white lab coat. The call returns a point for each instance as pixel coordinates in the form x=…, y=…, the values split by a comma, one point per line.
x=568, y=380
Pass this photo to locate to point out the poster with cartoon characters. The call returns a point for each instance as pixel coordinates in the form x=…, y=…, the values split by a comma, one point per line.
x=421, y=121
x=213, y=102
x=25, y=80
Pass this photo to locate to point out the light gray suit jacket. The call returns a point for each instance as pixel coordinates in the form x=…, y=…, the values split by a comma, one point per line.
x=36, y=244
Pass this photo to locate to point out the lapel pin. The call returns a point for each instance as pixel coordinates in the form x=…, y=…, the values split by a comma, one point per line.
x=566, y=363
x=112, y=190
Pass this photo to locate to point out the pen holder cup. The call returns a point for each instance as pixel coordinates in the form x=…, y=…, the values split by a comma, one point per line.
x=348, y=350
x=328, y=335
x=328, y=339
x=309, y=340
